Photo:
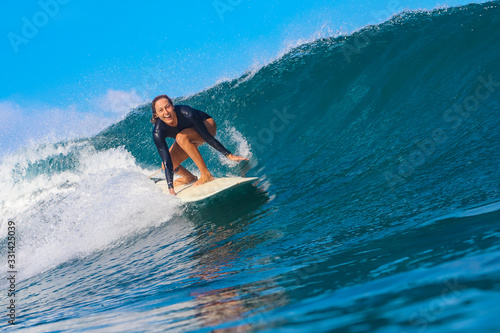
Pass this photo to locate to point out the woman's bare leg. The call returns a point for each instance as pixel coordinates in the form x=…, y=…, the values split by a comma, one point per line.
x=178, y=156
x=189, y=140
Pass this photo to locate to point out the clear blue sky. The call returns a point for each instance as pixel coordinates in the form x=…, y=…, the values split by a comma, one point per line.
x=76, y=59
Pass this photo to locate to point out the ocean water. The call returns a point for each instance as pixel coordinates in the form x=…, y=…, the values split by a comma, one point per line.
x=377, y=207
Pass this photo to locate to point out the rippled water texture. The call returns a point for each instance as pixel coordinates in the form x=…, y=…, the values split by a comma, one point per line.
x=377, y=207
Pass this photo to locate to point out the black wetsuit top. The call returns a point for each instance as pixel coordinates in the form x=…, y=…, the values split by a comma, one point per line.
x=187, y=117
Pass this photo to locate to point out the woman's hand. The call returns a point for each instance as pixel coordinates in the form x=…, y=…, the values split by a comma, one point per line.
x=236, y=158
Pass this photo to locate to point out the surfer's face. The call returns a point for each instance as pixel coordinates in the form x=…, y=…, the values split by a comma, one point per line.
x=165, y=112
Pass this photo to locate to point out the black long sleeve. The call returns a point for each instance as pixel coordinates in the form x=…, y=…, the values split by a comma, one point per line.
x=159, y=140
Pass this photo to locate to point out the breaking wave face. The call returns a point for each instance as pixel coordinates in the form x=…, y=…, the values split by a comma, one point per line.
x=356, y=140
x=409, y=106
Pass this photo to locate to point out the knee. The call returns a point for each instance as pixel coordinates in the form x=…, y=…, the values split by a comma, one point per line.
x=182, y=139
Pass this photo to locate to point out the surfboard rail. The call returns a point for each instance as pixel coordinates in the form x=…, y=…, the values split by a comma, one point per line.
x=190, y=193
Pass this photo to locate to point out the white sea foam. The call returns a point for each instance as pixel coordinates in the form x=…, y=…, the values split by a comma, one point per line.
x=242, y=146
x=68, y=214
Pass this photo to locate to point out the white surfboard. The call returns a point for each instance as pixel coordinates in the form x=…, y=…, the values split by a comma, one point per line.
x=190, y=193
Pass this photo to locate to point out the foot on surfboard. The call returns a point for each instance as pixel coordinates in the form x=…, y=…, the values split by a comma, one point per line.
x=204, y=179
x=184, y=180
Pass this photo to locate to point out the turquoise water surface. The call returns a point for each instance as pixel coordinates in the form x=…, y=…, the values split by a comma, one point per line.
x=377, y=207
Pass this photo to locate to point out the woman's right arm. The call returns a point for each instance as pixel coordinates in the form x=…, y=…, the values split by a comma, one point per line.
x=162, y=147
